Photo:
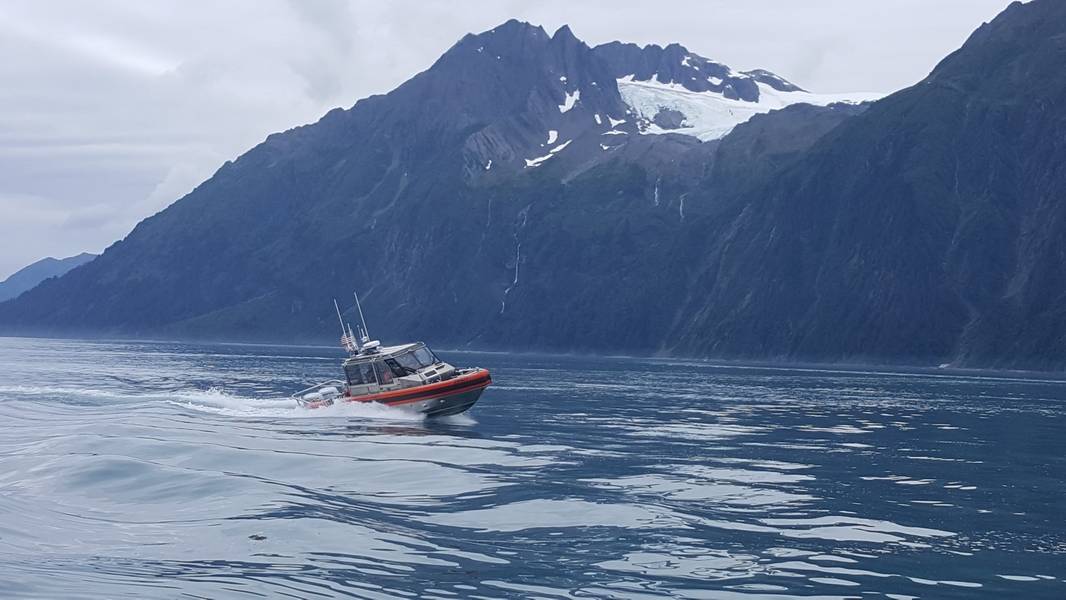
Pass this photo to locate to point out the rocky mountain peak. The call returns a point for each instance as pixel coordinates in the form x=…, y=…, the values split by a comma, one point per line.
x=513, y=30
x=675, y=64
x=565, y=35
x=555, y=90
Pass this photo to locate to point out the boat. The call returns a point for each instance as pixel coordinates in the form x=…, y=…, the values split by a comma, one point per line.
x=409, y=376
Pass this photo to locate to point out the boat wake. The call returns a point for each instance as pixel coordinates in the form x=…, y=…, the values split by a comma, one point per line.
x=220, y=402
x=213, y=401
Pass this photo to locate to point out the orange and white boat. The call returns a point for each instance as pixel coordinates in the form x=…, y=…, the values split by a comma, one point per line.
x=408, y=376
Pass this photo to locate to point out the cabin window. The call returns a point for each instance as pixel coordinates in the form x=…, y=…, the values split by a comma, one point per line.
x=424, y=356
x=355, y=377
x=360, y=374
x=397, y=370
x=383, y=372
x=367, y=370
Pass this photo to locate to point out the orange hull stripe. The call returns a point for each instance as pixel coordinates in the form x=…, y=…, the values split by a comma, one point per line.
x=462, y=390
x=476, y=378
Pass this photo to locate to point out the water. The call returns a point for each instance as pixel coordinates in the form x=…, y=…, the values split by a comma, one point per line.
x=156, y=470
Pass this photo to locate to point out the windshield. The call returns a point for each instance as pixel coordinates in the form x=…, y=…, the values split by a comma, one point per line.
x=424, y=356
x=408, y=361
x=411, y=361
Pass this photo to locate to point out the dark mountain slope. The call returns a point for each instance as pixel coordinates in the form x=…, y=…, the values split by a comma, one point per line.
x=397, y=195
x=929, y=229
x=426, y=199
x=28, y=277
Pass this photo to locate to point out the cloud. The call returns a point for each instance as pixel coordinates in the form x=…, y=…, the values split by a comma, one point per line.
x=113, y=109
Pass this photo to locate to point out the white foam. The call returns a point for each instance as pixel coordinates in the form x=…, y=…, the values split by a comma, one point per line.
x=461, y=419
x=220, y=402
x=33, y=390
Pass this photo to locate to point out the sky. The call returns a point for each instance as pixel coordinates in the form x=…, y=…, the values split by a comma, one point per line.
x=112, y=110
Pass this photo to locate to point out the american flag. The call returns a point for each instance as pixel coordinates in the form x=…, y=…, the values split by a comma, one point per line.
x=348, y=343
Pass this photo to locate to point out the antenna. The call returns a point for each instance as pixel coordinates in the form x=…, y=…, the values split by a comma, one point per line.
x=339, y=318
x=366, y=334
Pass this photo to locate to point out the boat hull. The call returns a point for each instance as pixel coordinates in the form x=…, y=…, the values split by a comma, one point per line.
x=439, y=399
x=452, y=404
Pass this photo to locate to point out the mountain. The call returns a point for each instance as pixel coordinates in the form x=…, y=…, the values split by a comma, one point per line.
x=474, y=203
x=28, y=277
x=930, y=229
x=530, y=192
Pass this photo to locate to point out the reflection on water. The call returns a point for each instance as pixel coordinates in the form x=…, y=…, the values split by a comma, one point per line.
x=174, y=470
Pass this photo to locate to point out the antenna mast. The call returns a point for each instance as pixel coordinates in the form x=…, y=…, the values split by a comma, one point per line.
x=366, y=334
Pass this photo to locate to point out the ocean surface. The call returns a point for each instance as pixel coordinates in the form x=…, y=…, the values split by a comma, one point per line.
x=168, y=470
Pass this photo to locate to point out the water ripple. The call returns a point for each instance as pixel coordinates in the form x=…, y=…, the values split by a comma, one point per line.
x=132, y=470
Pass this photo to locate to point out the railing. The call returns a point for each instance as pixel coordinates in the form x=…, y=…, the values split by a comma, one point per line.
x=337, y=383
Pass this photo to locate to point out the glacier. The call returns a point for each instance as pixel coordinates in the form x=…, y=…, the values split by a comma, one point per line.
x=710, y=115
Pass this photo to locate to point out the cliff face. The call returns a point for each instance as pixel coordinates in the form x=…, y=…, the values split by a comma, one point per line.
x=928, y=229
x=509, y=197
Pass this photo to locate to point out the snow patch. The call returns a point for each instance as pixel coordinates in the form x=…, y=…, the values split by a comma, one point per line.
x=599, y=121
x=615, y=122
x=562, y=78
x=614, y=132
x=488, y=165
x=570, y=101
x=536, y=162
x=552, y=136
x=710, y=115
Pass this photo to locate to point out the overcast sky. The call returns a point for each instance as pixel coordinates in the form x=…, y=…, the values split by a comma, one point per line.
x=111, y=110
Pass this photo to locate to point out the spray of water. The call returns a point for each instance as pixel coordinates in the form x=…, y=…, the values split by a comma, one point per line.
x=214, y=401
x=220, y=402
